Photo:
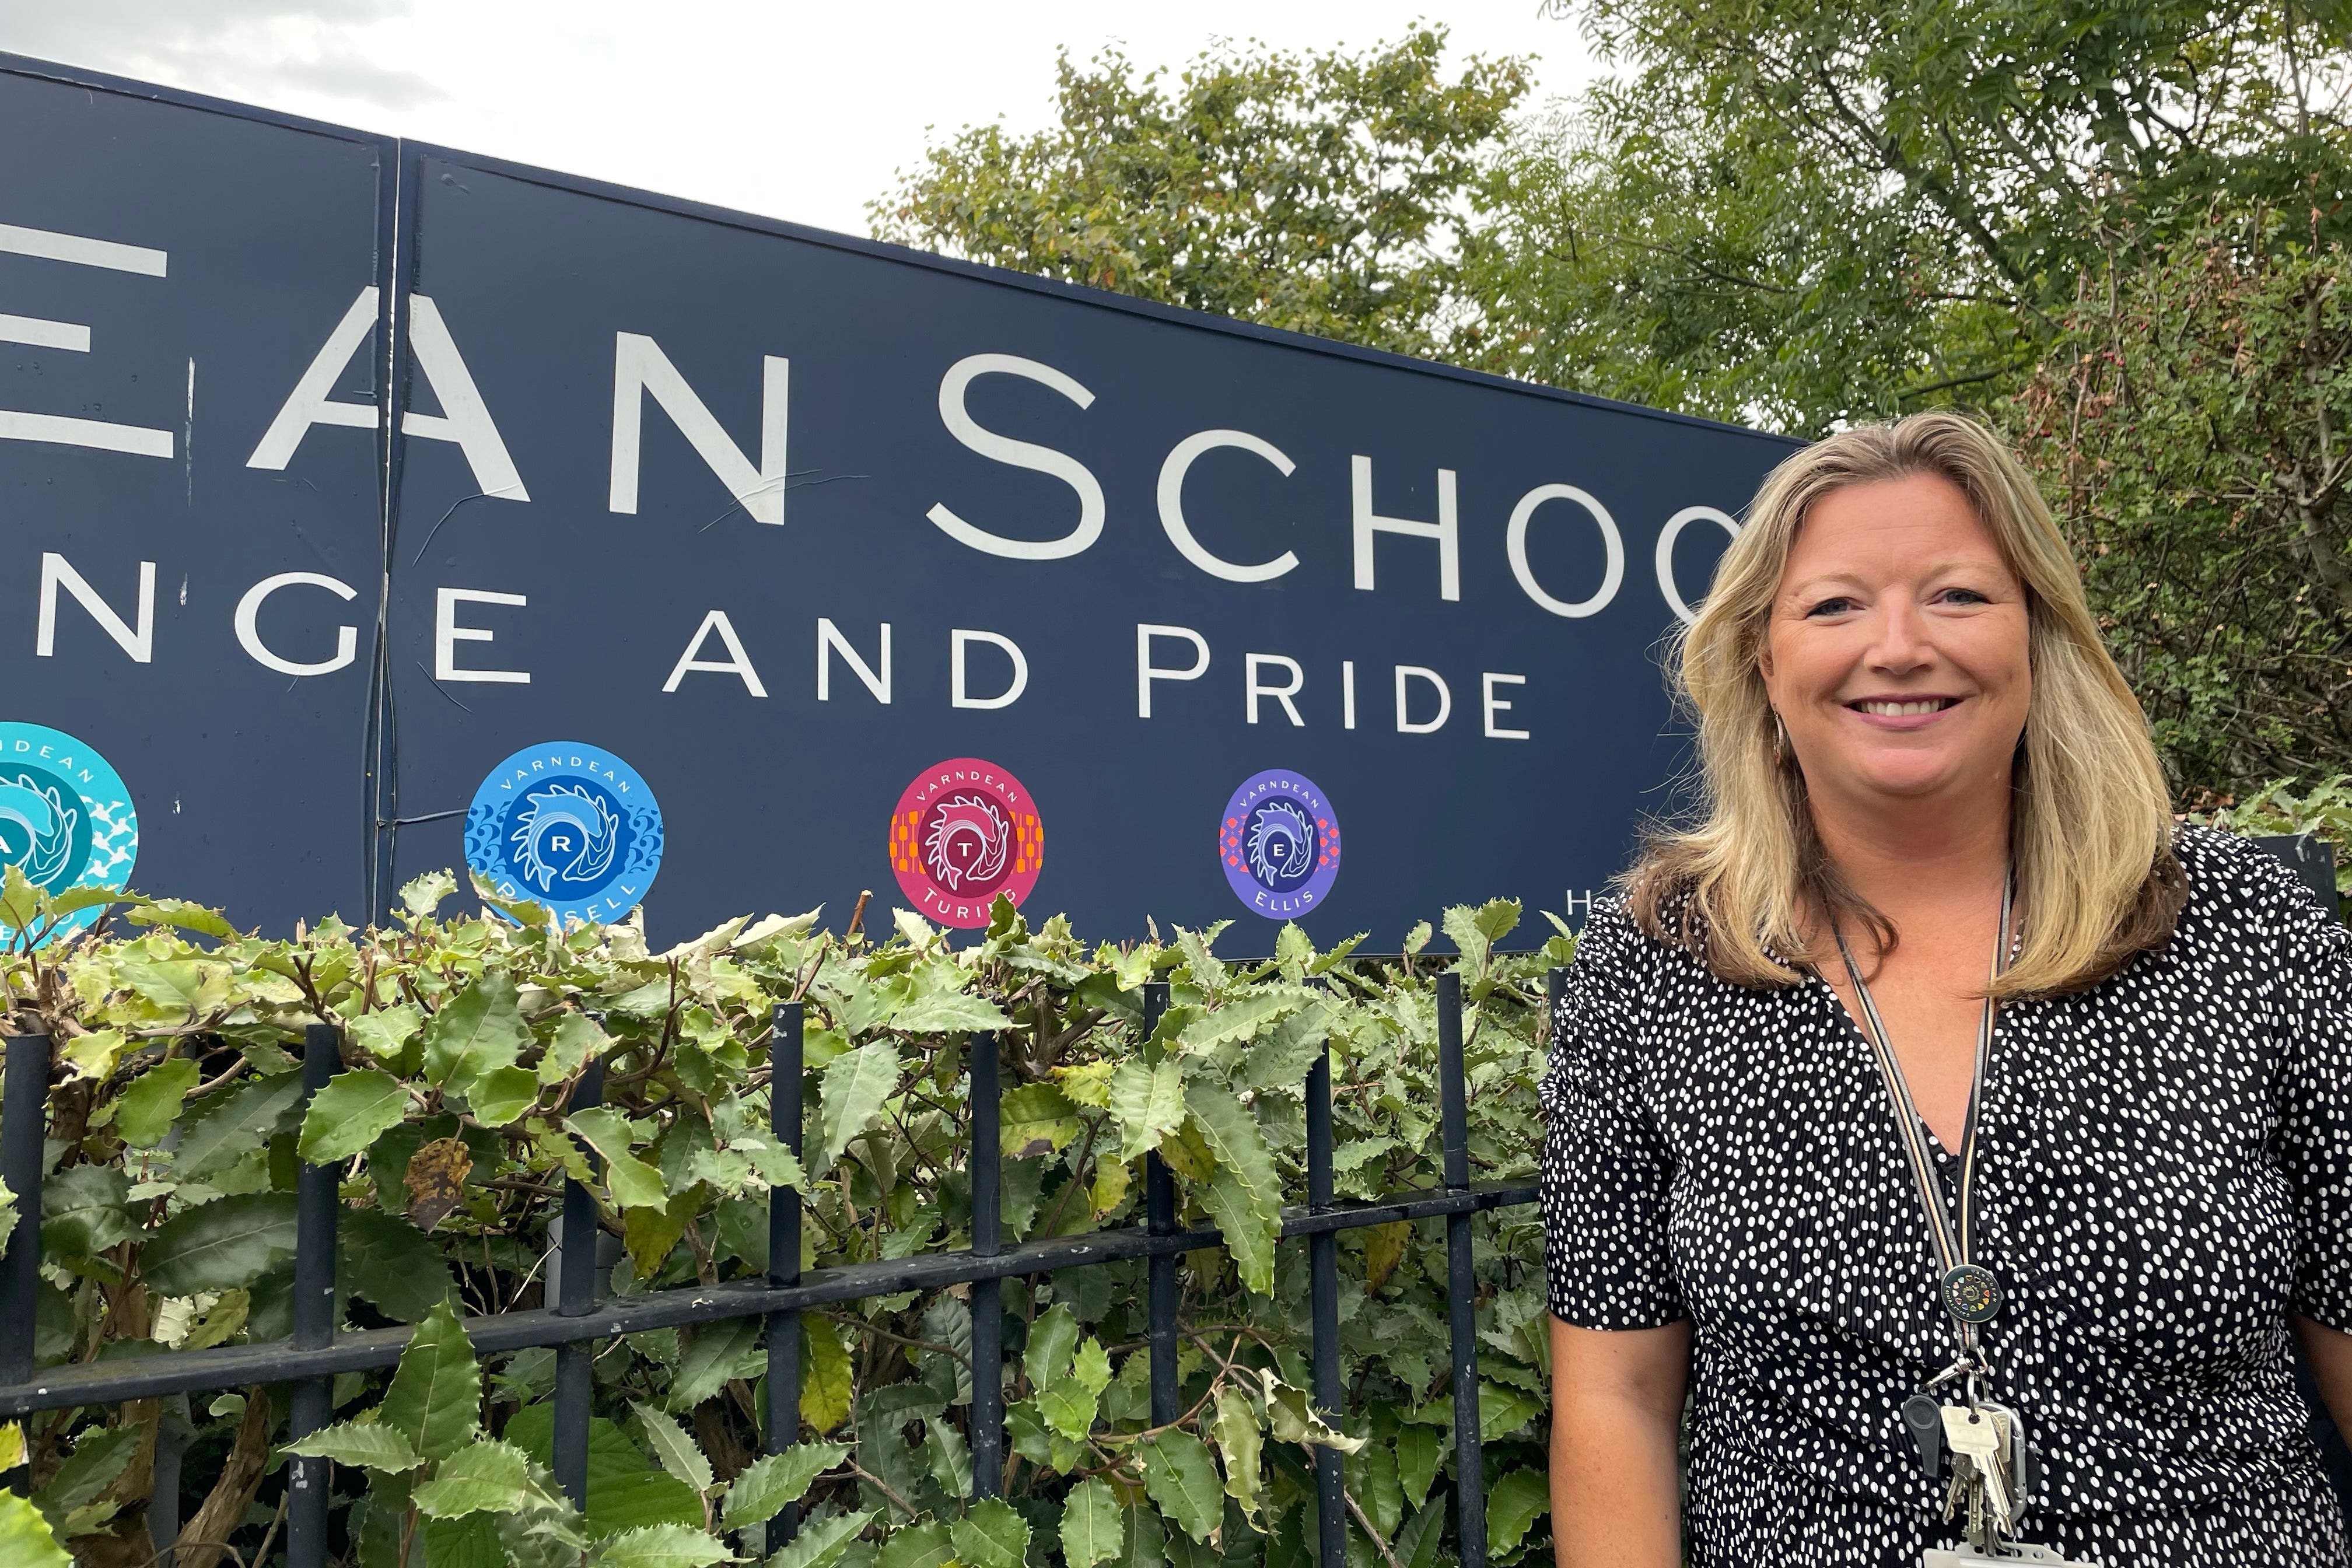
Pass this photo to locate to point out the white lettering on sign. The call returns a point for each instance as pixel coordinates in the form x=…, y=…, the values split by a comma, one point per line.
x=465, y=420
x=829, y=641
x=1252, y=689
x=248, y=630
x=447, y=634
x=1487, y=681
x=57, y=429
x=1368, y=522
x=737, y=662
x=959, y=695
x=1514, y=545
x=57, y=573
x=1406, y=725
x=1171, y=505
x=1020, y=455
x=1146, y=672
x=1666, y=537
x=641, y=369
x=308, y=403
x=70, y=336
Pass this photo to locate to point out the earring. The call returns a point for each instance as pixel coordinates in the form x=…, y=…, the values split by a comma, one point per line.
x=1780, y=740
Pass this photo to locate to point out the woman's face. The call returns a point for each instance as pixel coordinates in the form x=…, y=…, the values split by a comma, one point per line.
x=1896, y=654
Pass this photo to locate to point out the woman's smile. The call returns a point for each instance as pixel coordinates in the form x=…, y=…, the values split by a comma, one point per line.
x=1903, y=712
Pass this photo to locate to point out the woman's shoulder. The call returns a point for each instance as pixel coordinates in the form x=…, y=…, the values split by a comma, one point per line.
x=2237, y=886
x=1639, y=957
x=1613, y=938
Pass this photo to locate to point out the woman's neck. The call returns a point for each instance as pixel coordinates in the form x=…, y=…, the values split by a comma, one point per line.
x=1899, y=855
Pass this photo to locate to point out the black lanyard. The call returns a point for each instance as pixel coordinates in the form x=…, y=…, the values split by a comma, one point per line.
x=1968, y=1290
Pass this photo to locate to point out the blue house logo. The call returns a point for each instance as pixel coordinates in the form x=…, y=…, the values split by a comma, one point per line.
x=568, y=825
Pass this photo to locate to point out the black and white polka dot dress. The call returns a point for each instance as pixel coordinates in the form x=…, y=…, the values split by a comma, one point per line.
x=2166, y=1171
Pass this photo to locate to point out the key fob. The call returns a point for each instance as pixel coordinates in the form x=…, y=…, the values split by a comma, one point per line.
x=1924, y=1420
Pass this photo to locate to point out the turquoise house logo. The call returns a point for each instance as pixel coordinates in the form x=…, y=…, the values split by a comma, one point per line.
x=65, y=816
x=568, y=825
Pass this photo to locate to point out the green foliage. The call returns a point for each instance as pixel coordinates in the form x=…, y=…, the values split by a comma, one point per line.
x=1320, y=193
x=226, y=1244
x=2323, y=811
x=26, y=1539
x=347, y=1115
x=445, y=1207
x=1803, y=213
x=2117, y=232
x=438, y=1390
x=2189, y=428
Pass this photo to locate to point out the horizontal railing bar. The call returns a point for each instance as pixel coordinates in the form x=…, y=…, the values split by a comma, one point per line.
x=235, y=1366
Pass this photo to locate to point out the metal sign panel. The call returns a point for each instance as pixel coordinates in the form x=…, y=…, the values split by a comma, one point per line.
x=627, y=549
x=885, y=572
x=188, y=647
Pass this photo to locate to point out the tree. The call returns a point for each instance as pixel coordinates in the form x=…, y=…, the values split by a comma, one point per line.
x=2119, y=232
x=1321, y=193
x=2189, y=425
x=1803, y=213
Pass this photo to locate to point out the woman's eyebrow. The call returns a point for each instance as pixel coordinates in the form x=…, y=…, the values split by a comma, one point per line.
x=1820, y=580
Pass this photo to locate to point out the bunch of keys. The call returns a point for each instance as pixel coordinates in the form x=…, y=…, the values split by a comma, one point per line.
x=1991, y=1475
x=1987, y=1444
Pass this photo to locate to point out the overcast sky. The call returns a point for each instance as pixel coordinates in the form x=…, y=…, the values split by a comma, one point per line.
x=793, y=109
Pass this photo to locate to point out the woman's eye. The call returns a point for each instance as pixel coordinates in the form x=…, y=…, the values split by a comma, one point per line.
x=1963, y=597
x=1830, y=607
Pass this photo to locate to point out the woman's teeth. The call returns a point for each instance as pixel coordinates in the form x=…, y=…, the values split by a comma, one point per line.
x=1904, y=710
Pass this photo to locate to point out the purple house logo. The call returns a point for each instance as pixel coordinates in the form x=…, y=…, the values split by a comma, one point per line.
x=1278, y=841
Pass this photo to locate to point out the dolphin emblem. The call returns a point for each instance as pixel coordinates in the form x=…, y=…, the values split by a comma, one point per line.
x=565, y=831
x=967, y=816
x=46, y=823
x=1281, y=842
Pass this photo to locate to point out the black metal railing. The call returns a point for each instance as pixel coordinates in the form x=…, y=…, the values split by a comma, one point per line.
x=575, y=1319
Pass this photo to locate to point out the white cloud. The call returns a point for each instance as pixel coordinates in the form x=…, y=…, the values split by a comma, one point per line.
x=259, y=50
x=798, y=110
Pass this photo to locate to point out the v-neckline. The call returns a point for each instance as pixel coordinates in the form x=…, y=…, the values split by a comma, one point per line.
x=1856, y=1035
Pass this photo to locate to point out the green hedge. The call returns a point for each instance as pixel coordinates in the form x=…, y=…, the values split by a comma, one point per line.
x=176, y=1131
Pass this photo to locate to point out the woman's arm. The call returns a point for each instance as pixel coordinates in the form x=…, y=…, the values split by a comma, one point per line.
x=2330, y=1351
x=1617, y=1409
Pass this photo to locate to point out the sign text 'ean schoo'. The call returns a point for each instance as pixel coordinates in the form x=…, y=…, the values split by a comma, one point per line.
x=375, y=509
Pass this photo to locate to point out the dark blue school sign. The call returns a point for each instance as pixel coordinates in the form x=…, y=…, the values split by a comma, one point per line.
x=203, y=625
x=877, y=571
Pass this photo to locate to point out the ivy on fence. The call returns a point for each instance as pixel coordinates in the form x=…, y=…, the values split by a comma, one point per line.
x=168, y=1219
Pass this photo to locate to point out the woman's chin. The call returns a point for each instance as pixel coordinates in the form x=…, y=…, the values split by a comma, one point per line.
x=1908, y=779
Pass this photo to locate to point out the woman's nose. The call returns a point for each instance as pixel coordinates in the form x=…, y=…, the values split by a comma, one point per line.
x=1901, y=641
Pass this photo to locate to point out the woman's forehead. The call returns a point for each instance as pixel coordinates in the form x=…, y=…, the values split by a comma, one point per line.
x=1915, y=525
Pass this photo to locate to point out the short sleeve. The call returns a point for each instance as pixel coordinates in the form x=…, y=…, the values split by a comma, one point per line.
x=2315, y=1095
x=1607, y=1173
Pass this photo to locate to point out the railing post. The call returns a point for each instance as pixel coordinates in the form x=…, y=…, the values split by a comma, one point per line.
x=1160, y=1269
x=1323, y=1286
x=1461, y=1278
x=785, y=1115
x=24, y=1125
x=987, y=1295
x=314, y=1316
x=575, y=1296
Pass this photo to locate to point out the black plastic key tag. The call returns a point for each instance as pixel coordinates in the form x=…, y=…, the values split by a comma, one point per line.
x=1924, y=1418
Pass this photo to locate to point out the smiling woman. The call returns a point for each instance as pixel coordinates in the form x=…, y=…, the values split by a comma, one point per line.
x=1962, y=1137
x=1889, y=560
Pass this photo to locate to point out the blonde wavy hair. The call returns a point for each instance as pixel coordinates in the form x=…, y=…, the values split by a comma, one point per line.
x=2091, y=830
